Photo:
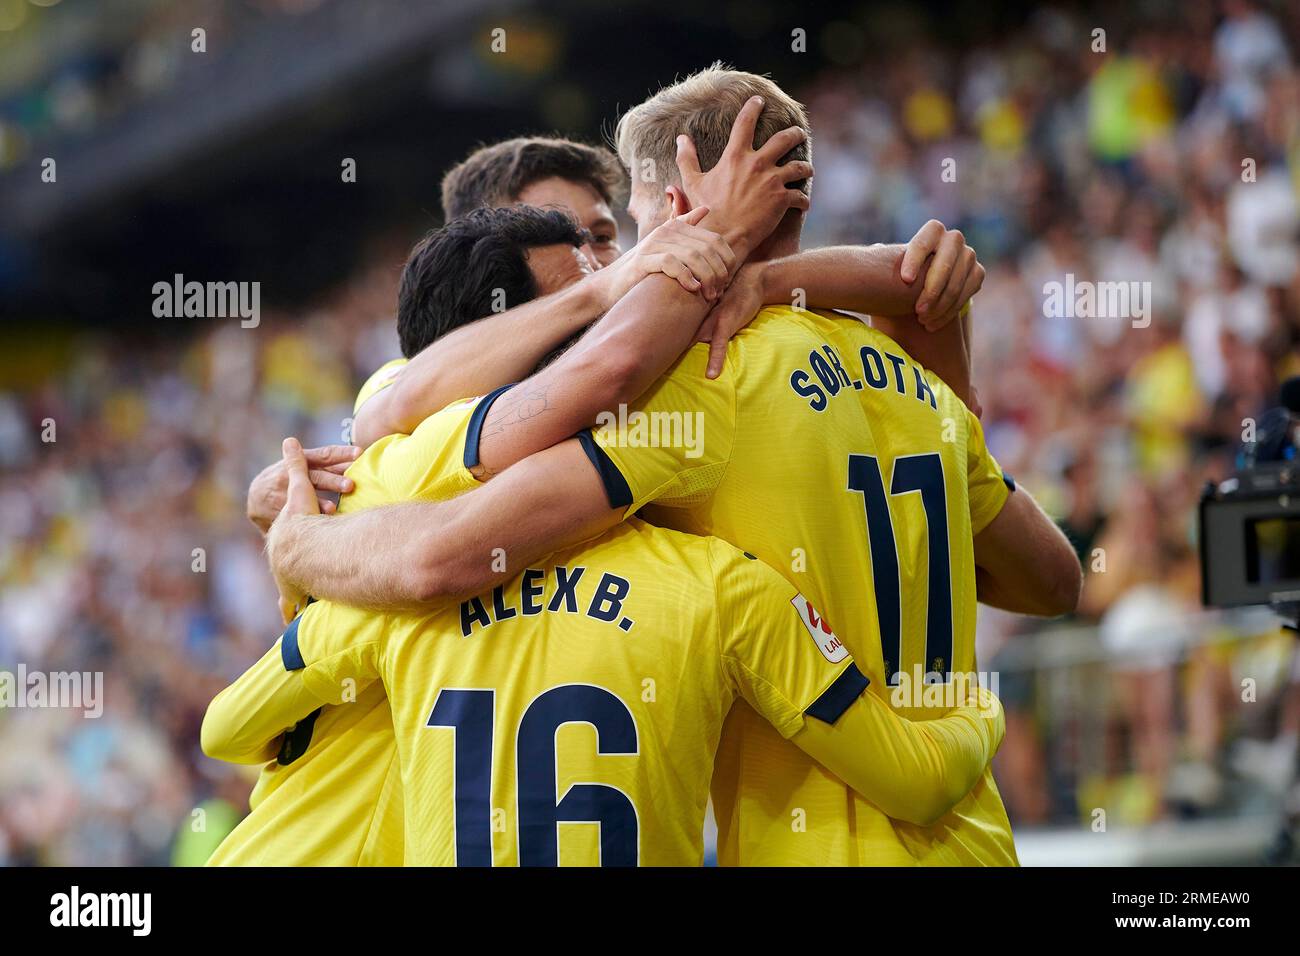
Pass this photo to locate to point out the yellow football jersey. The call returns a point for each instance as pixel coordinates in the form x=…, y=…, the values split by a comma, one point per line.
x=379, y=380
x=824, y=449
x=331, y=795
x=571, y=715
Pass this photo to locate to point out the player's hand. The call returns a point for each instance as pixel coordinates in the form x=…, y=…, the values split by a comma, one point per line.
x=699, y=259
x=740, y=303
x=325, y=469
x=299, y=499
x=954, y=275
x=300, y=490
x=747, y=192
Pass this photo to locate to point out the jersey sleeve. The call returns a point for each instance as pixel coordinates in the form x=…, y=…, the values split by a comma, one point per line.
x=327, y=655
x=383, y=377
x=915, y=771
x=337, y=650
x=244, y=722
x=673, y=444
x=431, y=463
x=989, y=486
x=787, y=662
x=777, y=652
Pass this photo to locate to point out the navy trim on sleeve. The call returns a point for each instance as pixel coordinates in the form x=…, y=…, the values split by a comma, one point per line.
x=295, y=742
x=476, y=423
x=616, y=487
x=1008, y=481
x=837, y=698
x=289, y=652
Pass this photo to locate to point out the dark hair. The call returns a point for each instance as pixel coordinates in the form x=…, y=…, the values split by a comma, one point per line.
x=495, y=175
x=453, y=274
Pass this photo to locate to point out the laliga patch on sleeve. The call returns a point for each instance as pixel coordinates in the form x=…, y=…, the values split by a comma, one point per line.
x=832, y=647
x=383, y=378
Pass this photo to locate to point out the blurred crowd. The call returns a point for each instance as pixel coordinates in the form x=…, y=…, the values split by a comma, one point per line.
x=126, y=550
x=92, y=84
x=1169, y=157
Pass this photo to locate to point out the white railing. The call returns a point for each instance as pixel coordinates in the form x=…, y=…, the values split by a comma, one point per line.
x=1066, y=679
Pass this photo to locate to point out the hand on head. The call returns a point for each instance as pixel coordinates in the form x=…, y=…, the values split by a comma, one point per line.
x=747, y=193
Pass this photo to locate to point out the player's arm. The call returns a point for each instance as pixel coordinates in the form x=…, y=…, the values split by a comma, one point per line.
x=1023, y=562
x=912, y=292
x=475, y=359
x=406, y=554
x=882, y=280
x=944, y=351
x=417, y=552
x=804, y=683
x=915, y=771
x=244, y=722
x=504, y=348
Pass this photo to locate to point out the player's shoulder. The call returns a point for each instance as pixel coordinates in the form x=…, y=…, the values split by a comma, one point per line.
x=446, y=420
x=773, y=328
x=681, y=401
x=776, y=325
x=781, y=333
x=322, y=619
x=738, y=573
x=857, y=334
x=727, y=581
x=660, y=547
x=379, y=380
x=661, y=568
x=402, y=466
x=455, y=411
x=666, y=550
x=700, y=550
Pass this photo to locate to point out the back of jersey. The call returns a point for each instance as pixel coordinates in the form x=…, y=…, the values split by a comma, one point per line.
x=852, y=468
x=875, y=482
x=570, y=717
x=838, y=460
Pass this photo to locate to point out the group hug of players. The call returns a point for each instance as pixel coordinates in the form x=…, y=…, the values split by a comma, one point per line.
x=698, y=535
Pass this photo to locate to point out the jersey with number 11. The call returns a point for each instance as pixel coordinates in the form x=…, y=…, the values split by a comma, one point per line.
x=832, y=455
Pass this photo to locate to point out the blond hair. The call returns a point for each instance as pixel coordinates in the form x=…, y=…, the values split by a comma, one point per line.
x=703, y=106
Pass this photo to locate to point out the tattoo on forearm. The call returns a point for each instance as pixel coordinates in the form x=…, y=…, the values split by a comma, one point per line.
x=512, y=409
x=516, y=407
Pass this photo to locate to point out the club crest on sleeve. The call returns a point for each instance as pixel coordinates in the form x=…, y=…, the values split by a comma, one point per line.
x=832, y=647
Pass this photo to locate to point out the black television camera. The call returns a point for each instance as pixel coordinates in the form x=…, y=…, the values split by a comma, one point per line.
x=1250, y=540
x=1250, y=523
